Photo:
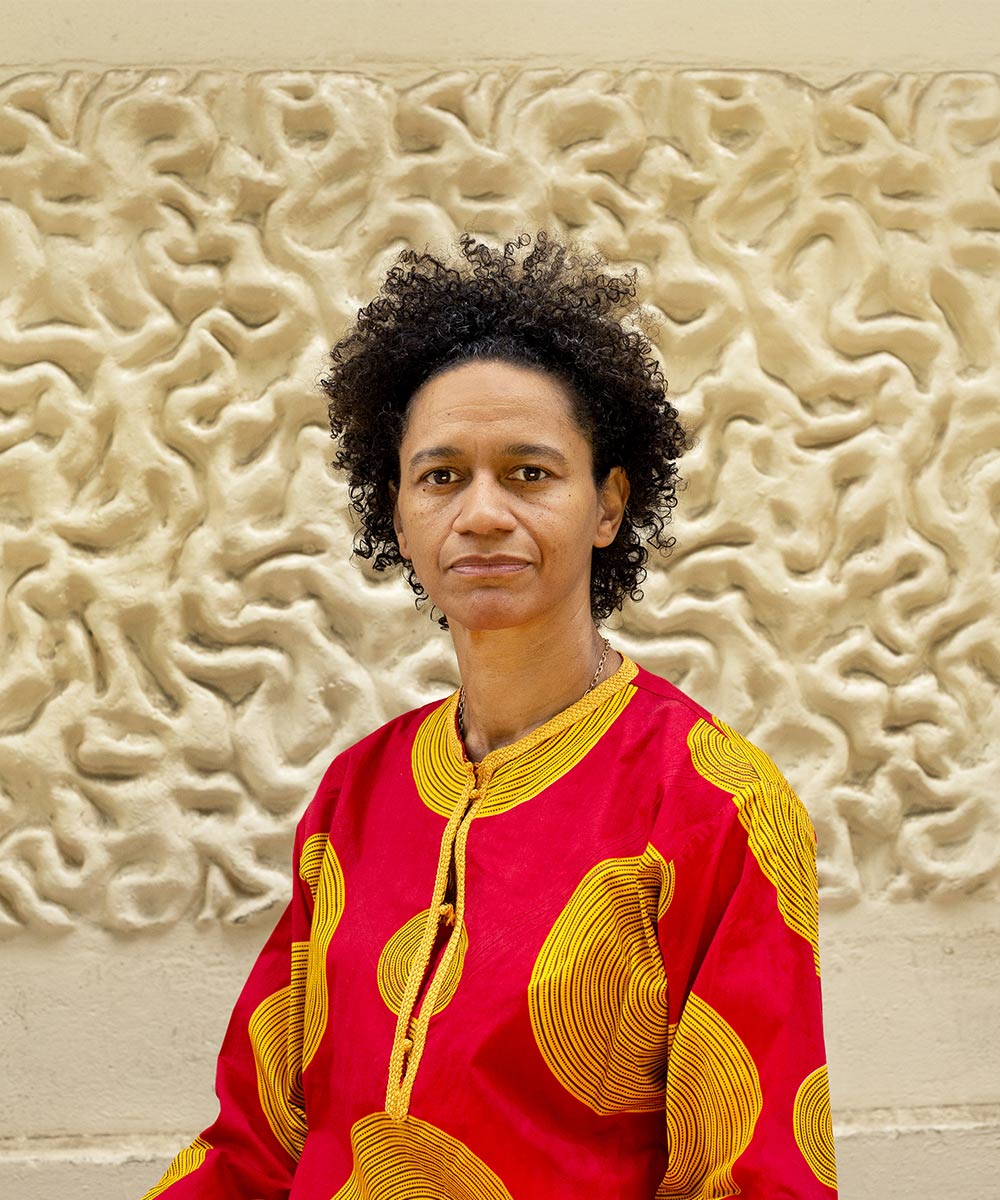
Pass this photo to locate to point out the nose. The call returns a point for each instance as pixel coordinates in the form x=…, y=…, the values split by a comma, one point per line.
x=483, y=506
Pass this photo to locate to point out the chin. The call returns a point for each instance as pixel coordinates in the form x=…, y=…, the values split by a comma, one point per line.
x=487, y=612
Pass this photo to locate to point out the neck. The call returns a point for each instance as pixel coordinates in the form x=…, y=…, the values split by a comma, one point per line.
x=517, y=679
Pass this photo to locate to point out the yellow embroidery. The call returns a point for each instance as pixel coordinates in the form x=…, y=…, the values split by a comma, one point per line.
x=712, y=1104
x=401, y=1160
x=814, y=1126
x=397, y=957
x=598, y=990
x=276, y=1037
x=189, y=1159
x=778, y=828
x=437, y=770
x=526, y=767
x=326, y=917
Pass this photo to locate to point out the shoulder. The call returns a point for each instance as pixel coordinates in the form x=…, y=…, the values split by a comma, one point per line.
x=719, y=777
x=386, y=749
x=393, y=739
x=663, y=695
x=672, y=725
x=717, y=751
x=659, y=716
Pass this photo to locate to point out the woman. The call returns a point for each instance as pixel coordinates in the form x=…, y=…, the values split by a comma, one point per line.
x=555, y=935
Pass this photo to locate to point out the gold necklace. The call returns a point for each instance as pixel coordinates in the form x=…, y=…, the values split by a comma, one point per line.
x=593, y=684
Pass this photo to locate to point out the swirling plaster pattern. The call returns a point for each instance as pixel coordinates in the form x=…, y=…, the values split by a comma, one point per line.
x=186, y=643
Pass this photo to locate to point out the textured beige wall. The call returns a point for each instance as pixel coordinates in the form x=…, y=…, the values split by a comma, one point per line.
x=186, y=644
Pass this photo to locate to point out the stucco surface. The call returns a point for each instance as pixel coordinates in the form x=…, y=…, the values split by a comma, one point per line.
x=187, y=644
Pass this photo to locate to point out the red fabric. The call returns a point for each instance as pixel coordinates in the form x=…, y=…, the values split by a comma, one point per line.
x=732, y=961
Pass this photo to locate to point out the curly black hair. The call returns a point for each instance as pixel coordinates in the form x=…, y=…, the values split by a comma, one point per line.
x=548, y=307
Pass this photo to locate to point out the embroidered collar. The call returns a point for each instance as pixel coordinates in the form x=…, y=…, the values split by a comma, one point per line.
x=511, y=774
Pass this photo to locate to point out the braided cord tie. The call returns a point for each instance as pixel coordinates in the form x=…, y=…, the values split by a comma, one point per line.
x=411, y=1032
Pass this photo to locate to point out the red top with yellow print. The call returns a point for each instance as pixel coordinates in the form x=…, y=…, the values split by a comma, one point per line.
x=585, y=966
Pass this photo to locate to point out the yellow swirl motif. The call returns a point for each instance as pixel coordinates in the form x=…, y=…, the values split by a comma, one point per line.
x=328, y=885
x=713, y=1101
x=396, y=961
x=598, y=990
x=311, y=861
x=814, y=1126
x=189, y=1159
x=401, y=1160
x=778, y=828
x=276, y=1037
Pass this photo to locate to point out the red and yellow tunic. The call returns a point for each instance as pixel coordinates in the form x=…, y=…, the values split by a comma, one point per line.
x=585, y=966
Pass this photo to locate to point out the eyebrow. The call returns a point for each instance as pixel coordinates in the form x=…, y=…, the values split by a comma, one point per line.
x=514, y=450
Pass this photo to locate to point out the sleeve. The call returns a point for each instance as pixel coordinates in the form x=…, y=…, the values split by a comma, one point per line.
x=747, y=1099
x=252, y=1149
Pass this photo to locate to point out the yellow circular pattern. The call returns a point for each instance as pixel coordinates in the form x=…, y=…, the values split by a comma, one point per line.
x=713, y=1102
x=321, y=869
x=189, y=1159
x=814, y=1126
x=778, y=828
x=396, y=961
x=275, y=1031
x=411, y=1159
x=598, y=991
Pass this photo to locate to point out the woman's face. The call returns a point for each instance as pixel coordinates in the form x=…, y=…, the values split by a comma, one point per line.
x=497, y=507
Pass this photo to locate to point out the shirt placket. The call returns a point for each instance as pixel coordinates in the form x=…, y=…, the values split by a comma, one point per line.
x=411, y=1030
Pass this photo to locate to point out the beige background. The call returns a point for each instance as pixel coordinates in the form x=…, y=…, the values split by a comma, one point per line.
x=186, y=644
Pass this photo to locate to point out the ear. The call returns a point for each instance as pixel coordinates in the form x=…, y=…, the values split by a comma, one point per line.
x=397, y=523
x=611, y=506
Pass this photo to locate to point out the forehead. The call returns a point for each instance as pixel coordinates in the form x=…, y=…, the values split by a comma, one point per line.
x=485, y=395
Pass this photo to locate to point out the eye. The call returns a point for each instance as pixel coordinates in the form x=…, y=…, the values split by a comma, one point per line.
x=435, y=476
x=535, y=474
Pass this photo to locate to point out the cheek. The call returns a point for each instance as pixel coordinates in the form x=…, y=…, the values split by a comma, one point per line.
x=566, y=535
x=426, y=528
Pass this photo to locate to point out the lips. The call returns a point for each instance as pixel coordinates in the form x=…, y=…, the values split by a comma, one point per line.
x=477, y=564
